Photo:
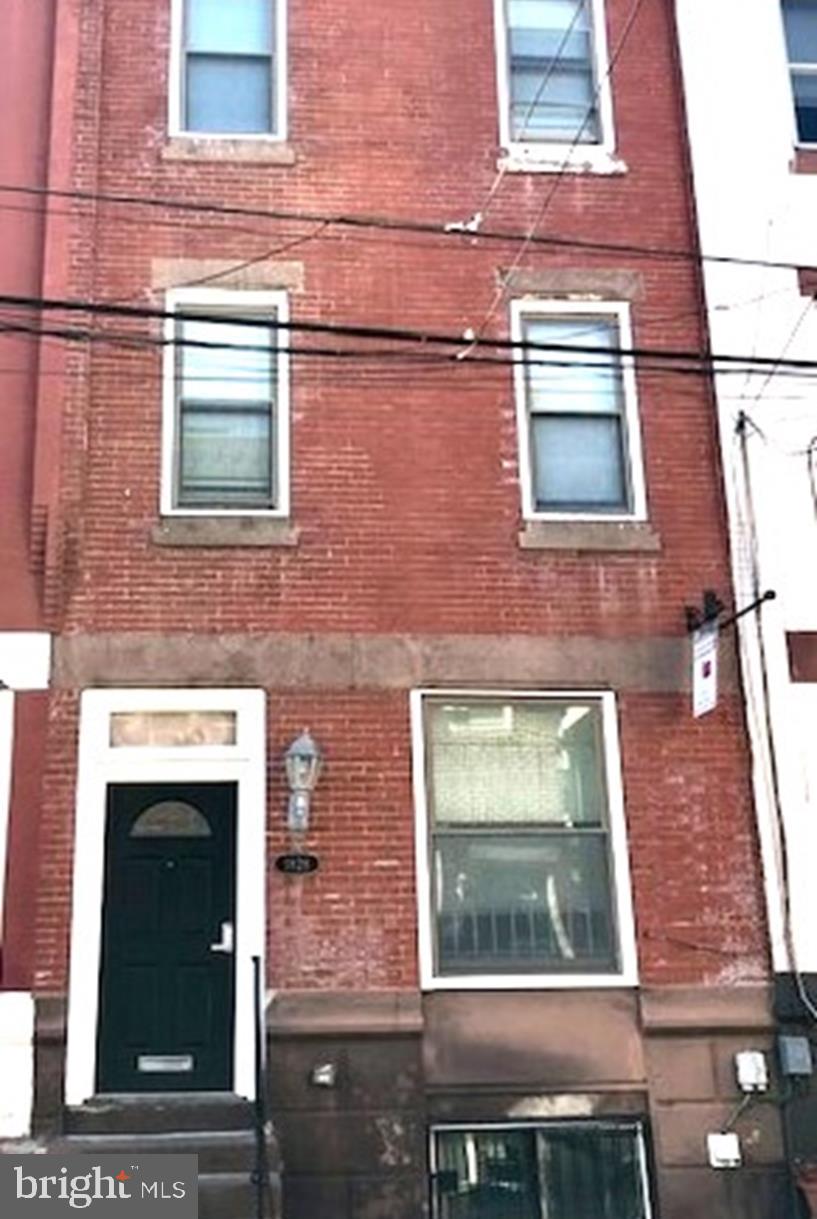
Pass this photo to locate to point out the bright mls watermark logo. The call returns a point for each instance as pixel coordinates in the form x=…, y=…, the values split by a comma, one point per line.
x=131, y=1184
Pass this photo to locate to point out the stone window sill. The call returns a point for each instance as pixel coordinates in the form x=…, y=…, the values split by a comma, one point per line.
x=222, y=532
x=541, y=159
x=805, y=160
x=615, y=536
x=260, y=152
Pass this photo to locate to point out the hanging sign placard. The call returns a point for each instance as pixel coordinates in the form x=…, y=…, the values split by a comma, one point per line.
x=705, y=669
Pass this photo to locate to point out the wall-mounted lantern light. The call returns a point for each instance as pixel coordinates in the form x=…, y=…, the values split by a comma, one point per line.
x=303, y=764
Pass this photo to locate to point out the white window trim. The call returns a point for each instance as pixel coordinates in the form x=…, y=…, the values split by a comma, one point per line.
x=223, y=300
x=540, y=155
x=176, y=126
x=627, y=976
x=100, y=765
x=620, y=311
x=637, y=1125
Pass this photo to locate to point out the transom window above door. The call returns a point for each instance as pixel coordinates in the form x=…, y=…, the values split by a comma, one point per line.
x=226, y=424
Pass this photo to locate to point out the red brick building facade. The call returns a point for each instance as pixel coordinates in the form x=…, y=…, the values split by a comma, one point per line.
x=402, y=552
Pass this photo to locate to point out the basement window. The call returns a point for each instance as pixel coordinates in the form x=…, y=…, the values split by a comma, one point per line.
x=556, y=1170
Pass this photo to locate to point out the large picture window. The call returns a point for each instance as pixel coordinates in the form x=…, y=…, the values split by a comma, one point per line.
x=559, y=1170
x=521, y=859
x=226, y=417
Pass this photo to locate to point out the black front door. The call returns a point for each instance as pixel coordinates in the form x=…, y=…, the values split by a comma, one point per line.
x=167, y=973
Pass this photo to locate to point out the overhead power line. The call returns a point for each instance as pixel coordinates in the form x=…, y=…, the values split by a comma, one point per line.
x=553, y=354
x=441, y=229
x=424, y=338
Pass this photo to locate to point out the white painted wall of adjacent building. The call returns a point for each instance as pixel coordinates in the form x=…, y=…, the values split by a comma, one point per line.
x=752, y=205
x=16, y=1063
x=25, y=661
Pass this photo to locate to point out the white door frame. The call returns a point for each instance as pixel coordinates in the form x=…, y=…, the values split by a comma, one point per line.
x=102, y=764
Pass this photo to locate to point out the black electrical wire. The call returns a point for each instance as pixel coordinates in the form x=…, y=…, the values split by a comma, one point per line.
x=443, y=229
x=700, y=361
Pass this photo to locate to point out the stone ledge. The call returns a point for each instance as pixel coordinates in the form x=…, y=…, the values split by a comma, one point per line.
x=330, y=1013
x=260, y=152
x=804, y=160
x=287, y=274
x=618, y=536
x=223, y=532
x=335, y=660
x=573, y=283
x=686, y=1009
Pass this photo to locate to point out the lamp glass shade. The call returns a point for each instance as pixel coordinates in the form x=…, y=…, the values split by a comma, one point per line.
x=303, y=763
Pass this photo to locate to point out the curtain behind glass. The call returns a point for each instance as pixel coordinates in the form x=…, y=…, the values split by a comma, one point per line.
x=507, y=763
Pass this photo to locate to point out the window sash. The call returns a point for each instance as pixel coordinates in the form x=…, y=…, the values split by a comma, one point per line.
x=804, y=92
x=552, y=72
x=583, y=470
x=585, y=394
x=556, y=1170
x=526, y=903
x=236, y=465
x=800, y=23
x=534, y=892
x=242, y=73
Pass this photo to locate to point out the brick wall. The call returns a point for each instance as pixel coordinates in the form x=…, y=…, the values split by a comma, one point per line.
x=353, y=924
x=405, y=480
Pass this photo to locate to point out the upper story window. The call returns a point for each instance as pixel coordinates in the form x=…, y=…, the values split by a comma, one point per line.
x=800, y=17
x=553, y=87
x=524, y=863
x=228, y=57
x=552, y=1170
x=580, y=452
x=226, y=412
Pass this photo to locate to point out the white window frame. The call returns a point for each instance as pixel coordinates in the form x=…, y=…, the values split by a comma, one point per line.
x=230, y=303
x=637, y=1125
x=806, y=68
x=175, y=90
x=100, y=765
x=621, y=892
x=558, y=156
x=522, y=310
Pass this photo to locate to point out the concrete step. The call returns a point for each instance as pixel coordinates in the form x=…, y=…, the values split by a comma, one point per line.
x=156, y=1113
x=223, y=1151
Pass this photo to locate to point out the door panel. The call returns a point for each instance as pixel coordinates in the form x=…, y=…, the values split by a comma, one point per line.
x=166, y=999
